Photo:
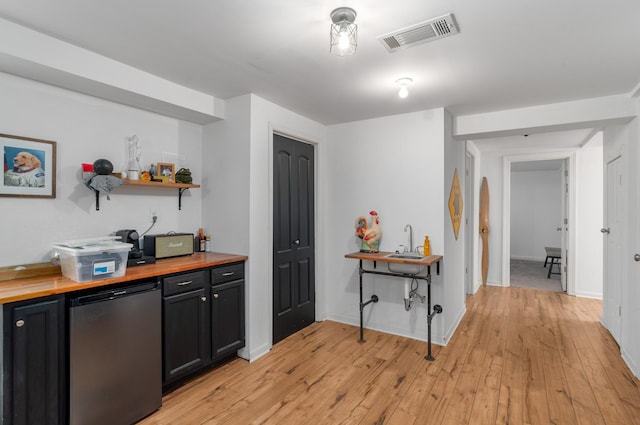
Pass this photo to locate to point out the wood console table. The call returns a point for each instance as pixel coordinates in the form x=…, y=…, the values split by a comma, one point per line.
x=384, y=258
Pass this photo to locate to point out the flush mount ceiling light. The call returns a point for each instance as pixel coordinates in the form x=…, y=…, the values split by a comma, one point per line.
x=344, y=33
x=404, y=87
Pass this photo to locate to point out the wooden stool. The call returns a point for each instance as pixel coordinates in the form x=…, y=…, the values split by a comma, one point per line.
x=555, y=256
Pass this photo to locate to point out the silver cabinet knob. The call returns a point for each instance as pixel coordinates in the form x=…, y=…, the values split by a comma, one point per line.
x=636, y=257
x=203, y=298
x=605, y=230
x=297, y=242
x=19, y=323
x=215, y=296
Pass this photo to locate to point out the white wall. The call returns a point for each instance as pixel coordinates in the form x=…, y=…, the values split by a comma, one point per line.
x=491, y=168
x=454, y=252
x=586, y=258
x=85, y=129
x=536, y=212
x=225, y=180
x=393, y=165
x=239, y=206
x=589, y=220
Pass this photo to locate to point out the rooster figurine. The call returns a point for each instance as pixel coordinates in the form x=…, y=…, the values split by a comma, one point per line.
x=370, y=235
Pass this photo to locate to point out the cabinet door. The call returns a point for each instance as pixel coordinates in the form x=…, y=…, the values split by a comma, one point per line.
x=34, y=369
x=227, y=318
x=187, y=345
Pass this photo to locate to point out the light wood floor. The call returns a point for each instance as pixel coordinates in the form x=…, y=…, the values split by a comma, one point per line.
x=520, y=356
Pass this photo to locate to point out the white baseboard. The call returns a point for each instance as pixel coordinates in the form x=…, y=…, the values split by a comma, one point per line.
x=594, y=295
x=421, y=336
x=255, y=354
x=628, y=359
x=455, y=324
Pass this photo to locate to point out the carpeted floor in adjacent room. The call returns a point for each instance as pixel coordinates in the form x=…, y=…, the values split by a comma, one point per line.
x=533, y=274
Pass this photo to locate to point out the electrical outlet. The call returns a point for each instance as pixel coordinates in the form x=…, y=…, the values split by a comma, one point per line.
x=153, y=215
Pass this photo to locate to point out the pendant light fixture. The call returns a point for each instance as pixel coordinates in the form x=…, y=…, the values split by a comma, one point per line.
x=344, y=33
x=404, y=87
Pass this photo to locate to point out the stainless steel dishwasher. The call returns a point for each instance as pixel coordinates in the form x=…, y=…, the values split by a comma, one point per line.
x=115, y=355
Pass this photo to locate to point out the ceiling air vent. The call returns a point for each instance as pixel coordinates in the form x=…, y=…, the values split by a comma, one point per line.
x=433, y=29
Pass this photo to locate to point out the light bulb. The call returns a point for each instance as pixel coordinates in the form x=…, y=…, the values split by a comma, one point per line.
x=404, y=87
x=343, y=38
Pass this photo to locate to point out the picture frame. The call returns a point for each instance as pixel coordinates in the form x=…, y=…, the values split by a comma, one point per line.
x=168, y=170
x=29, y=167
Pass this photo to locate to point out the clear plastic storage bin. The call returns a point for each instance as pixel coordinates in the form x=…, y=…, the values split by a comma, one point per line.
x=93, y=259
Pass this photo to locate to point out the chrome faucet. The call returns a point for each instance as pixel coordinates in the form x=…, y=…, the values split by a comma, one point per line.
x=410, y=236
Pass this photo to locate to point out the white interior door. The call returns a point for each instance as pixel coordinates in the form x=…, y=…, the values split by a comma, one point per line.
x=469, y=223
x=564, y=225
x=613, y=255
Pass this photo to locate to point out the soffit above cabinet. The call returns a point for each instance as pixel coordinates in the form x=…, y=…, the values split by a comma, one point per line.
x=42, y=58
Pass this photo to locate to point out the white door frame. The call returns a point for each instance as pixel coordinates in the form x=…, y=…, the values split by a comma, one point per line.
x=506, y=210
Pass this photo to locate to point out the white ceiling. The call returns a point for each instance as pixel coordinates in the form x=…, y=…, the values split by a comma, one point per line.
x=508, y=54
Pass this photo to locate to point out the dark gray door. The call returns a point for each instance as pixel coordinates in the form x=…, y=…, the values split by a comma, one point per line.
x=293, y=238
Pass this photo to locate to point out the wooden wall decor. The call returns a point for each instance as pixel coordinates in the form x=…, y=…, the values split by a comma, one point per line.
x=484, y=227
x=455, y=204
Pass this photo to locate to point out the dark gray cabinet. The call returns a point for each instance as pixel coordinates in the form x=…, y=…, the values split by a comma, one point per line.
x=186, y=325
x=227, y=310
x=34, y=385
x=203, y=320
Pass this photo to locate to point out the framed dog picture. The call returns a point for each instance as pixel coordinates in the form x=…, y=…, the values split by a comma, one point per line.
x=166, y=170
x=29, y=167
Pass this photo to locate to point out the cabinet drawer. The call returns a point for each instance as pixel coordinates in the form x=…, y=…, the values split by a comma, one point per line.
x=183, y=282
x=227, y=273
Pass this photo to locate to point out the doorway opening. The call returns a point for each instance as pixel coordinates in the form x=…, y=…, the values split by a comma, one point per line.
x=539, y=199
x=565, y=218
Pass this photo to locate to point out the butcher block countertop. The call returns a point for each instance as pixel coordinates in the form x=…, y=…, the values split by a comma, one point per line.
x=42, y=286
x=382, y=257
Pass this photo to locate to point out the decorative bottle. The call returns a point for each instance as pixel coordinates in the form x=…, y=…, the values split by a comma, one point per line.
x=135, y=150
x=427, y=246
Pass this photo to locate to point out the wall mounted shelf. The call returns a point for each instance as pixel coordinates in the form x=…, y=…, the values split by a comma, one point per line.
x=161, y=185
x=180, y=186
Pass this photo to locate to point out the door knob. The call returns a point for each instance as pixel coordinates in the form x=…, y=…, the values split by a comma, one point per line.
x=297, y=242
x=605, y=230
x=636, y=257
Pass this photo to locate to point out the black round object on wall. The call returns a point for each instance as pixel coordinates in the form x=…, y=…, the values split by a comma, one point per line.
x=102, y=166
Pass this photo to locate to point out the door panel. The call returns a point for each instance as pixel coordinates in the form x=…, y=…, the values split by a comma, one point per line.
x=293, y=237
x=304, y=294
x=283, y=280
x=614, y=213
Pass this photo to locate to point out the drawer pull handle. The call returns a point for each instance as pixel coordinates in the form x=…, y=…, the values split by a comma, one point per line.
x=215, y=296
x=186, y=282
x=228, y=274
x=19, y=323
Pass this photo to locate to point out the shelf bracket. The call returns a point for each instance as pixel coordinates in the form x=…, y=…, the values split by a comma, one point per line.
x=180, y=190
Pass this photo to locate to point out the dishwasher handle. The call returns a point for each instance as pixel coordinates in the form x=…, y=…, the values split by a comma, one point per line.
x=110, y=294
